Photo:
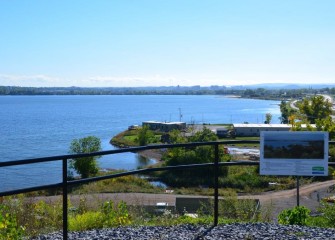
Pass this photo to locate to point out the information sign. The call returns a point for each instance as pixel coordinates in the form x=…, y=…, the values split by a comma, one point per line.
x=294, y=153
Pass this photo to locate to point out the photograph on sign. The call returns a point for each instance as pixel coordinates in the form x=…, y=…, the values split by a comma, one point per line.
x=294, y=153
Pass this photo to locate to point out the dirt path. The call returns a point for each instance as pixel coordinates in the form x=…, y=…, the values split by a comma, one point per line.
x=310, y=196
x=275, y=202
x=153, y=153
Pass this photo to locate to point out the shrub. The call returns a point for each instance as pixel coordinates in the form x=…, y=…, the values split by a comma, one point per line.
x=46, y=217
x=318, y=221
x=328, y=213
x=86, y=221
x=9, y=228
x=115, y=215
x=35, y=217
x=295, y=216
x=145, y=136
x=230, y=207
x=110, y=215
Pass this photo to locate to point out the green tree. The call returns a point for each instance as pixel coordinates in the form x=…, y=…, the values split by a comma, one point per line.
x=193, y=155
x=286, y=112
x=206, y=135
x=85, y=166
x=145, y=136
x=326, y=124
x=317, y=107
x=175, y=136
x=268, y=118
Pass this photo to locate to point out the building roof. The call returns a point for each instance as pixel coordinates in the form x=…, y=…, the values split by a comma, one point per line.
x=263, y=125
x=253, y=125
x=157, y=122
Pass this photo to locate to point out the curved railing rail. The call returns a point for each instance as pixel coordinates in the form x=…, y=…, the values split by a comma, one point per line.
x=65, y=183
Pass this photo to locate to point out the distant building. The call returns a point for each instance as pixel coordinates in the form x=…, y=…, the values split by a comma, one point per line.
x=222, y=132
x=253, y=130
x=133, y=127
x=164, y=126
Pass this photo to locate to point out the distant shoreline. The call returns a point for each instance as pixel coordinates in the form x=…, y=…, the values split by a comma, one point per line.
x=232, y=96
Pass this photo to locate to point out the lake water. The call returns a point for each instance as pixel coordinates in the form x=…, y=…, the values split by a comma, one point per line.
x=40, y=126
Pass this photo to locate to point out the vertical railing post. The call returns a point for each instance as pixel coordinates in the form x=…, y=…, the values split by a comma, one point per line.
x=298, y=198
x=216, y=185
x=65, y=206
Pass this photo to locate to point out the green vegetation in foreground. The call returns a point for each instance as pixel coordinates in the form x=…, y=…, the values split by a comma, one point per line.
x=22, y=217
x=300, y=215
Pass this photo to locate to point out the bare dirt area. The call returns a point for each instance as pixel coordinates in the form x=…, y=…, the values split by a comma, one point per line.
x=310, y=196
x=153, y=153
x=273, y=202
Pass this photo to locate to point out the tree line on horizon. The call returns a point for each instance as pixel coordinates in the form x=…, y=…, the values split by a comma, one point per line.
x=243, y=91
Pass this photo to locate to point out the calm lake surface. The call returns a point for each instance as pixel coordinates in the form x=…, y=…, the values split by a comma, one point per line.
x=40, y=126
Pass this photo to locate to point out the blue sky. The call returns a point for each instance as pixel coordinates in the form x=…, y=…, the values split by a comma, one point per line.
x=166, y=42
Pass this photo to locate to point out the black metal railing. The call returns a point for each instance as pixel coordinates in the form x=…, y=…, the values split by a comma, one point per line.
x=65, y=183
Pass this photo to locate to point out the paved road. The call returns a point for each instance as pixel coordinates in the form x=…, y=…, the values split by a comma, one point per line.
x=293, y=104
x=330, y=99
x=327, y=97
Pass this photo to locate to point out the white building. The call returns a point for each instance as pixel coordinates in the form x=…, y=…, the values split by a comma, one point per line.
x=253, y=130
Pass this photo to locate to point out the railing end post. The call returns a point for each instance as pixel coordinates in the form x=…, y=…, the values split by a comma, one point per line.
x=65, y=204
x=216, y=185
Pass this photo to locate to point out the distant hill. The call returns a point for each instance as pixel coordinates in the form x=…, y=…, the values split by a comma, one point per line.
x=284, y=86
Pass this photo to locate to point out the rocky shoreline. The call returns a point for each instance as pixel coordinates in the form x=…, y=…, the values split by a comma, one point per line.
x=187, y=231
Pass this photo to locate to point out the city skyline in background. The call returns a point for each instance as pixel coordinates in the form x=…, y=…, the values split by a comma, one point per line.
x=166, y=43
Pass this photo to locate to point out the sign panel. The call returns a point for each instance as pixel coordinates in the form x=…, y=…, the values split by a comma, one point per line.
x=294, y=153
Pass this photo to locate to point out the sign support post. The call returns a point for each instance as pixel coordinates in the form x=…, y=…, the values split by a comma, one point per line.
x=298, y=201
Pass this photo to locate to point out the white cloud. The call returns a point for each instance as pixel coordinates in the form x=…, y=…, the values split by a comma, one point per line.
x=41, y=80
x=112, y=81
x=38, y=80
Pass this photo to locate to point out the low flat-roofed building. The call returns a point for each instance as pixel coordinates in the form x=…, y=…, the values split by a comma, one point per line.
x=164, y=126
x=222, y=132
x=253, y=130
